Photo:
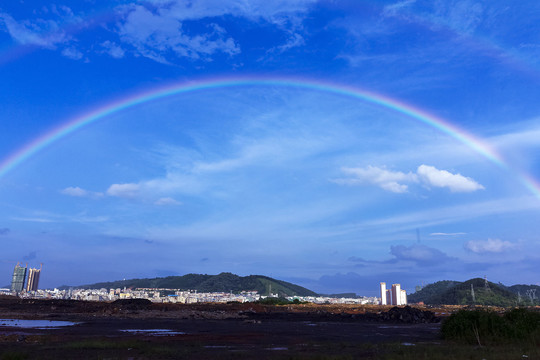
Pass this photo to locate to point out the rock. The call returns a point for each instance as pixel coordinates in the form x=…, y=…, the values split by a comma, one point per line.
x=409, y=315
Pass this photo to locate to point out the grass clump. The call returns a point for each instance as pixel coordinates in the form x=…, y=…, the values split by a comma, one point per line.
x=484, y=327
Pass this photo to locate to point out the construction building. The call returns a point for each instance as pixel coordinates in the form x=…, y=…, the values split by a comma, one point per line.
x=33, y=279
x=19, y=277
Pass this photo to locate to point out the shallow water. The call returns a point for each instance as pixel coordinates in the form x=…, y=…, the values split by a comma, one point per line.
x=34, y=324
x=153, y=332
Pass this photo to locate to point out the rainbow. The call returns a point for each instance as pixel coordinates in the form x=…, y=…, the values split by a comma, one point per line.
x=24, y=153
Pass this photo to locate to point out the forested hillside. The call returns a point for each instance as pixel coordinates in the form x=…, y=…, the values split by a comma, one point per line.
x=224, y=282
x=470, y=292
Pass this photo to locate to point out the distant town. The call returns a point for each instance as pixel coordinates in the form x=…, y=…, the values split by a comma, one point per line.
x=162, y=295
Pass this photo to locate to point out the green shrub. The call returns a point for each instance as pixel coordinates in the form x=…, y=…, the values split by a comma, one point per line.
x=487, y=327
x=474, y=327
x=274, y=301
x=524, y=324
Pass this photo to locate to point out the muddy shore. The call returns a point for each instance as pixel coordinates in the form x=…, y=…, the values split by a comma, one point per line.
x=139, y=329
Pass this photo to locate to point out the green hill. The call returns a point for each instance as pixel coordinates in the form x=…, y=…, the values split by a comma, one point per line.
x=431, y=290
x=528, y=294
x=224, y=282
x=461, y=293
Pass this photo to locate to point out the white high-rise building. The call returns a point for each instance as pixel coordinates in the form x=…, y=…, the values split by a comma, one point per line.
x=383, y=293
x=396, y=294
x=393, y=296
x=33, y=279
x=403, y=297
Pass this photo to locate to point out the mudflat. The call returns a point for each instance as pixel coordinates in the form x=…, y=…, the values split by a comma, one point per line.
x=139, y=329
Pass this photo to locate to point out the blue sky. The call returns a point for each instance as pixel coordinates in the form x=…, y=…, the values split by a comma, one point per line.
x=286, y=170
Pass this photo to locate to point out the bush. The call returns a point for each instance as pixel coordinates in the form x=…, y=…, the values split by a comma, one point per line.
x=274, y=301
x=487, y=327
x=524, y=324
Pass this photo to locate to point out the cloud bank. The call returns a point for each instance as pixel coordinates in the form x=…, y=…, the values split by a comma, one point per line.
x=489, y=246
x=422, y=255
x=161, y=30
x=397, y=181
x=157, y=29
x=432, y=176
x=388, y=180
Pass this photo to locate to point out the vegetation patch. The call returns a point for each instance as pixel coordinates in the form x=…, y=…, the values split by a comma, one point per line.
x=276, y=301
x=484, y=327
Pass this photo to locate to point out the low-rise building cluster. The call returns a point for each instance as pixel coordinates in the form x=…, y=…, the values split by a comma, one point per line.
x=393, y=296
x=335, y=300
x=175, y=296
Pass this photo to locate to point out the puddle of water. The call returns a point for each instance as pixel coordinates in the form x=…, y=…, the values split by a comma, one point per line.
x=215, y=347
x=408, y=344
x=277, y=348
x=153, y=332
x=35, y=324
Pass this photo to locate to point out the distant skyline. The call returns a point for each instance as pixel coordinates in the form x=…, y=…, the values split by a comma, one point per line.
x=334, y=145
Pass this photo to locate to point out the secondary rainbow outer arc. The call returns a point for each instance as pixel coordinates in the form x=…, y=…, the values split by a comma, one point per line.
x=73, y=125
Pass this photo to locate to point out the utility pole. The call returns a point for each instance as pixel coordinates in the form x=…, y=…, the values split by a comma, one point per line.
x=472, y=294
x=531, y=293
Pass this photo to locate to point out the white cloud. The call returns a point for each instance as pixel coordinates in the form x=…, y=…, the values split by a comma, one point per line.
x=164, y=201
x=421, y=254
x=75, y=191
x=72, y=53
x=396, y=181
x=58, y=218
x=113, y=49
x=295, y=40
x=441, y=178
x=40, y=32
x=155, y=34
x=527, y=138
x=452, y=214
x=385, y=179
x=461, y=16
x=279, y=12
x=78, y=192
x=128, y=190
x=489, y=246
x=393, y=9
x=161, y=28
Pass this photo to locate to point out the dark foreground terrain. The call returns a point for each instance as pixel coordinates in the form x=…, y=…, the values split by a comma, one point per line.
x=137, y=329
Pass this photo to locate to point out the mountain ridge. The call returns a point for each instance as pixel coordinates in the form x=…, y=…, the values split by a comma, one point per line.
x=223, y=282
x=449, y=292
